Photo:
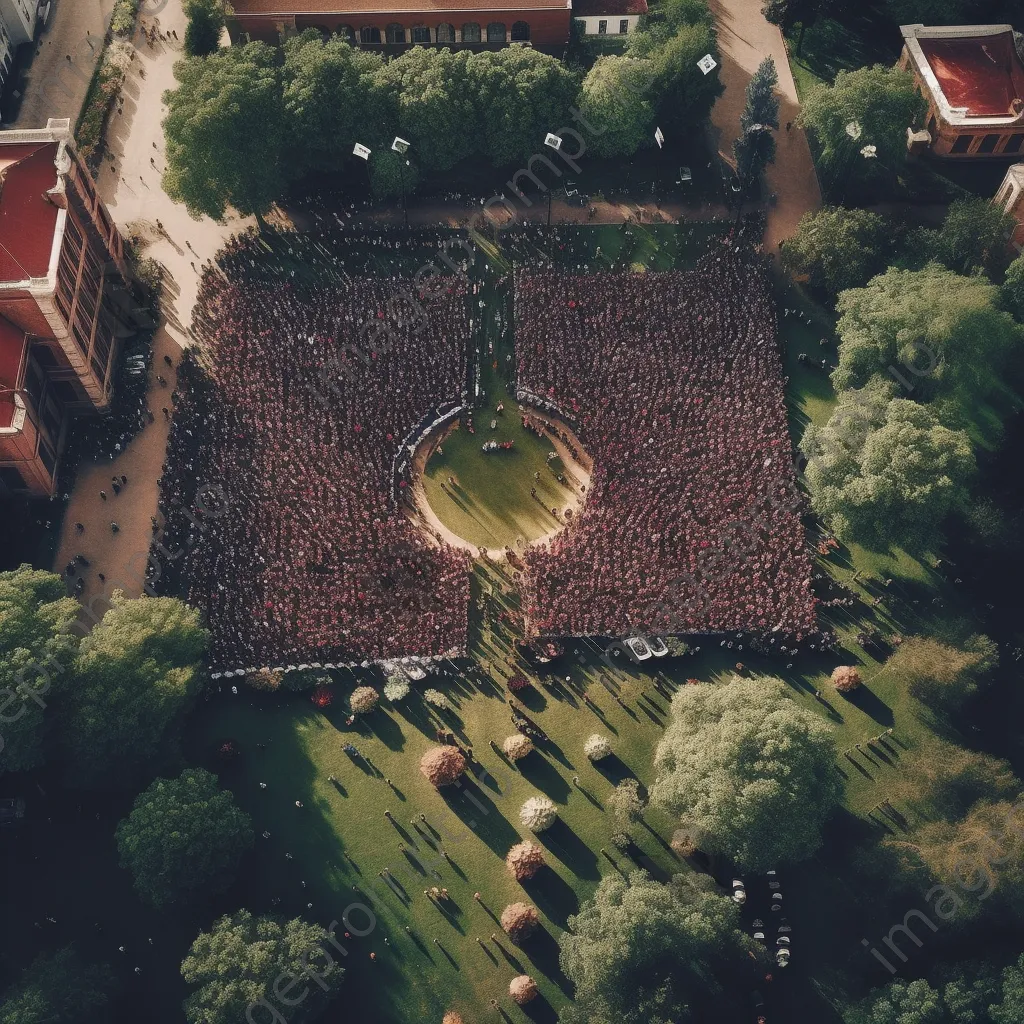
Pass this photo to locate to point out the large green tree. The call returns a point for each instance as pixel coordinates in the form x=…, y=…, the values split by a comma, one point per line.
x=900, y=1002
x=135, y=676
x=206, y=20
x=617, y=102
x=332, y=100
x=884, y=470
x=755, y=147
x=750, y=772
x=184, y=837
x=243, y=961
x=37, y=648
x=643, y=952
x=1012, y=291
x=837, y=248
x=59, y=988
x=941, y=335
x=683, y=94
x=1010, y=1007
x=942, y=676
x=974, y=237
x=882, y=102
x=520, y=94
x=225, y=131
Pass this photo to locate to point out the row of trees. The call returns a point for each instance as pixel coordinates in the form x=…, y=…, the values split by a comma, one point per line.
x=108, y=705
x=245, y=122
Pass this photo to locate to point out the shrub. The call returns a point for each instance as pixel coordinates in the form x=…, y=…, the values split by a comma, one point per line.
x=363, y=700
x=625, y=801
x=437, y=698
x=305, y=679
x=267, y=679
x=597, y=747
x=451, y=1017
x=845, y=678
x=323, y=696
x=682, y=843
x=396, y=688
x=522, y=989
x=517, y=683
x=442, y=765
x=205, y=21
x=519, y=921
x=122, y=21
x=517, y=746
x=524, y=860
x=942, y=676
x=538, y=813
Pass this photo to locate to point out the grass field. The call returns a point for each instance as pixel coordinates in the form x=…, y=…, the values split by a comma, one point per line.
x=340, y=840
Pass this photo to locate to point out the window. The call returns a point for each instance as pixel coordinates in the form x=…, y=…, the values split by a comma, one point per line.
x=420, y=34
x=471, y=32
x=602, y=27
x=1013, y=143
x=347, y=33
x=369, y=35
x=988, y=144
x=496, y=32
x=624, y=26
x=395, y=33
x=960, y=144
x=445, y=33
x=520, y=32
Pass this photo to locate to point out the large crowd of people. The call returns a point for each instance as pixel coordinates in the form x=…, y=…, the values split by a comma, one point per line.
x=674, y=380
x=297, y=420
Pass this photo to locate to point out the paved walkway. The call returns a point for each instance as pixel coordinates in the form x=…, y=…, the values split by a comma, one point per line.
x=745, y=39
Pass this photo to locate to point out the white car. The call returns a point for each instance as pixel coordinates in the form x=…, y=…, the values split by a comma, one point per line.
x=637, y=648
x=739, y=891
x=657, y=646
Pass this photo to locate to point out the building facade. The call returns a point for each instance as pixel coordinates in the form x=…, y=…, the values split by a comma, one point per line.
x=63, y=302
x=379, y=23
x=1010, y=197
x=608, y=17
x=972, y=77
x=18, y=21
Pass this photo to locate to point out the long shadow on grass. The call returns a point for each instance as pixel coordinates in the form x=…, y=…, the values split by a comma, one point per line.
x=871, y=704
x=386, y=729
x=479, y=813
x=543, y=950
x=540, y=1011
x=544, y=776
x=570, y=850
x=613, y=768
x=553, y=895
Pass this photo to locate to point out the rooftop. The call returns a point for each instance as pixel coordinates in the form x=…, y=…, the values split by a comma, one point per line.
x=27, y=218
x=249, y=8
x=974, y=71
x=599, y=8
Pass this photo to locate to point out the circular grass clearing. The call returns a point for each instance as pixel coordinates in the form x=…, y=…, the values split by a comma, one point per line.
x=491, y=505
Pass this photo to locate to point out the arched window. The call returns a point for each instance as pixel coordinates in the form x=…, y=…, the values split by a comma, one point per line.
x=420, y=34
x=445, y=33
x=471, y=32
x=496, y=32
x=347, y=33
x=520, y=32
x=369, y=34
x=395, y=33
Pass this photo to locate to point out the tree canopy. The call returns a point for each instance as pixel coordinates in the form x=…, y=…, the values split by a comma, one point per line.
x=943, y=333
x=884, y=470
x=643, y=952
x=838, y=248
x=974, y=237
x=1012, y=291
x=616, y=100
x=184, y=837
x=881, y=101
x=755, y=147
x=206, y=20
x=900, y=1002
x=237, y=963
x=59, y=988
x=225, y=132
x=942, y=676
x=135, y=676
x=37, y=646
x=749, y=771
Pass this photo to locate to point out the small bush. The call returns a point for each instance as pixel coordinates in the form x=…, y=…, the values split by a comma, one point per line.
x=524, y=860
x=363, y=700
x=517, y=746
x=304, y=679
x=682, y=843
x=396, y=688
x=323, y=696
x=538, y=813
x=437, y=698
x=519, y=921
x=442, y=765
x=522, y=989
x=451, y=1017
x=845, y=678
x=266, y=679
x=517, y=683
x=122, y=22
x=596, y=747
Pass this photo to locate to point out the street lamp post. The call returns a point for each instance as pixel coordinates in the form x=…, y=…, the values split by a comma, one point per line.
x=554, y=142
x=401, y=147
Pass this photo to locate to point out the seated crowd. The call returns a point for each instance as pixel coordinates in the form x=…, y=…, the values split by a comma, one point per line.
x=692, y=522
x=298, y=420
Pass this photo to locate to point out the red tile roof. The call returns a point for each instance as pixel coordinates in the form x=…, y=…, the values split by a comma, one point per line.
x=983, y=74
x=27, y=218
x=600, y=8
x=269, y=8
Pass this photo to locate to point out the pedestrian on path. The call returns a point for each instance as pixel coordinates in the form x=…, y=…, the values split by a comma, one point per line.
x=79, y=528
x=103, y=495
x=114, y=528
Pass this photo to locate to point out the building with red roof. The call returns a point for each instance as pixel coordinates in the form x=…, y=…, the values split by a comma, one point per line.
x=973, y=79
x=62, y=274
x=455, y=23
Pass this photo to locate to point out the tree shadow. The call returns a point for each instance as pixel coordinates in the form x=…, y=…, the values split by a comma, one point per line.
x=533, y=698
x=614, y=769
x=545, y=777
x=540, y=1011
x=478, y=812
x=570, y=850
x=544, y=953
x=386, y=729
x=553, y=895
x=871, y=704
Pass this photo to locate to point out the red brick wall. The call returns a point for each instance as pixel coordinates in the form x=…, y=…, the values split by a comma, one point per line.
x=23, y=311
x=548, y=29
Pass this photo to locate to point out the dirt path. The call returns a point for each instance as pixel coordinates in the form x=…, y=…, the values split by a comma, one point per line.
x=745, y=39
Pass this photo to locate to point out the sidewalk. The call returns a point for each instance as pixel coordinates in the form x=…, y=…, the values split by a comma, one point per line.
x=745, y=39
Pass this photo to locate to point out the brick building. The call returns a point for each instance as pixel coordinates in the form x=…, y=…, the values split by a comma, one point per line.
x=395, y=23
x=608, y=17
x=62, y=281
x=973, y=79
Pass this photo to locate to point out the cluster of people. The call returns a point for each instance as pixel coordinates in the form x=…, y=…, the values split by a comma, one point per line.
x=692, y=521
x=297, y=419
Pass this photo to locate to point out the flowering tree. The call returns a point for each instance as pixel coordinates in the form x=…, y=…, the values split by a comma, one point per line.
x=524, y=860
x=538, y=813
x=522, y=989
x=363, y=700
x=437, y=698
x=597, y=746
x=442, y=765
x=519, y=921
x=517, y=746
x=396, y=688
x=845, y=678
